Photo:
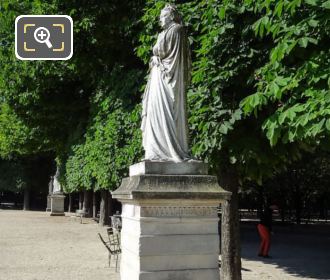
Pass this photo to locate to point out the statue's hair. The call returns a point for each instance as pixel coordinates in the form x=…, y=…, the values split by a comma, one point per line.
x=173, y=11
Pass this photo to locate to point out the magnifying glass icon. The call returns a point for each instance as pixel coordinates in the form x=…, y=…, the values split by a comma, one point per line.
x=41, y=35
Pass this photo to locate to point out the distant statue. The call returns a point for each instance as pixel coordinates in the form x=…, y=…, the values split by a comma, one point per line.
x=50, y=185
x=164, y=115
x=56, y=183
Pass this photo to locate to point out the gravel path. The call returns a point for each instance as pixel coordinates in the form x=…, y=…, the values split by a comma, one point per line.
x=298, y=252
x=35, y=246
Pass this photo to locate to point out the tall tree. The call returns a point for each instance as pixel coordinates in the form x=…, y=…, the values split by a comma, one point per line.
x=51, y=105
x=51, y=98
x=259, y=94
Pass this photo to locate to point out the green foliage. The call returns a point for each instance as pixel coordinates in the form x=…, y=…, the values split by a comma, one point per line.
x=13, y=133
x=112, y=141
x=55, y=106
x=259, y=93
x=46, y=97
x=295, y=79
x=53, y=96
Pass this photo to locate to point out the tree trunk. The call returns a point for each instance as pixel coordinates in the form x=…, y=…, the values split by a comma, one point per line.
x=260, y=200
x=26, y=203
x=111, y=204
x=87, y=204
x=298, y=203
x=104, y=209
x=70, y=203
x=94, y=205
x=230, y=229
x=81, y=198
x=322, y=203
x=326, y=214
x=282, y=213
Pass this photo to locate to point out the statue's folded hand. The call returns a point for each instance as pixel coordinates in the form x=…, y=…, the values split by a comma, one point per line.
x=154, y=61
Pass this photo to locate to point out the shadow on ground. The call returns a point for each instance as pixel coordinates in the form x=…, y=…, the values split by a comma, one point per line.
x=302, y=251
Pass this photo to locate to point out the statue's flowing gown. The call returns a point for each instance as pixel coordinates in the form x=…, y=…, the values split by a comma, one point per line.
x=164, y=116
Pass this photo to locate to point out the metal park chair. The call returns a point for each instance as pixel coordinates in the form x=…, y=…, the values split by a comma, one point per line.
x=110, y=231
x=113, y=247
x=114, y=237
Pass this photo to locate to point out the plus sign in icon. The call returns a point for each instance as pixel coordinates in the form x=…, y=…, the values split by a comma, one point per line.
x=44, y=37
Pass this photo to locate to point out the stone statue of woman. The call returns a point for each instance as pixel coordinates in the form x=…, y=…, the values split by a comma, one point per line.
x=164, y=115
x=56, y=183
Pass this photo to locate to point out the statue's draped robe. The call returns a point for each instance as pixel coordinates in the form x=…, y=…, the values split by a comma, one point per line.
x=164, y=116
x=56, y=183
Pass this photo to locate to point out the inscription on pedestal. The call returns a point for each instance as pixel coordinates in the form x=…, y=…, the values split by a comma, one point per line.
x=170, y=211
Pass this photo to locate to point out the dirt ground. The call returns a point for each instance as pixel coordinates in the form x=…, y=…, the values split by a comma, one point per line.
x=298, y=252
x=35, y=246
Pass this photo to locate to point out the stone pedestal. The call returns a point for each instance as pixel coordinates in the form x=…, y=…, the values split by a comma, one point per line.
x=57, y=204
x=170, y=222
x=48, y=203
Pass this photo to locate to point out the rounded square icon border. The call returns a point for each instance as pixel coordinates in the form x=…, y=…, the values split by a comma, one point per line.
x=63, y=58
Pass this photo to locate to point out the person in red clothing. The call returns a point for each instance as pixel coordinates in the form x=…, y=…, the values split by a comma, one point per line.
x=265, y=229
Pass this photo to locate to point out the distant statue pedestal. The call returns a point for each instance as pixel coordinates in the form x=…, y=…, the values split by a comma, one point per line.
x=57, y=204
x=48, y=203
x=50, y=191
x=170, y=222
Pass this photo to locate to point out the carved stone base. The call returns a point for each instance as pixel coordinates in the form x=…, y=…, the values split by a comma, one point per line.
x=170, y=227
x=57, y=205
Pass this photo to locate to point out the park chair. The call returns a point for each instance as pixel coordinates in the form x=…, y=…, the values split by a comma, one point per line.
x=114, y=236
x=110, y=231
x=113, y=248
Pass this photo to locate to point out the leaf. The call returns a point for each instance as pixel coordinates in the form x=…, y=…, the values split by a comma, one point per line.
x=273, y=133
x=327, y=124
x=282, y=81
x=273, y=55
x=278, y=9
x=313, y=22
x=303, y=42
x=232, y=159
x=275, y=90
x=292, y=135
x=281, y=118
x=261, y=25
x=313, y=41
x=253, y=101
x=326, y=5
x=312, y=2
x=223, y=129
x=317, y=128
x=237, y=115
x=303, y=120
x=222, y=13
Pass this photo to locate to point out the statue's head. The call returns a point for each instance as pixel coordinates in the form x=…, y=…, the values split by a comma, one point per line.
x=169, y=15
